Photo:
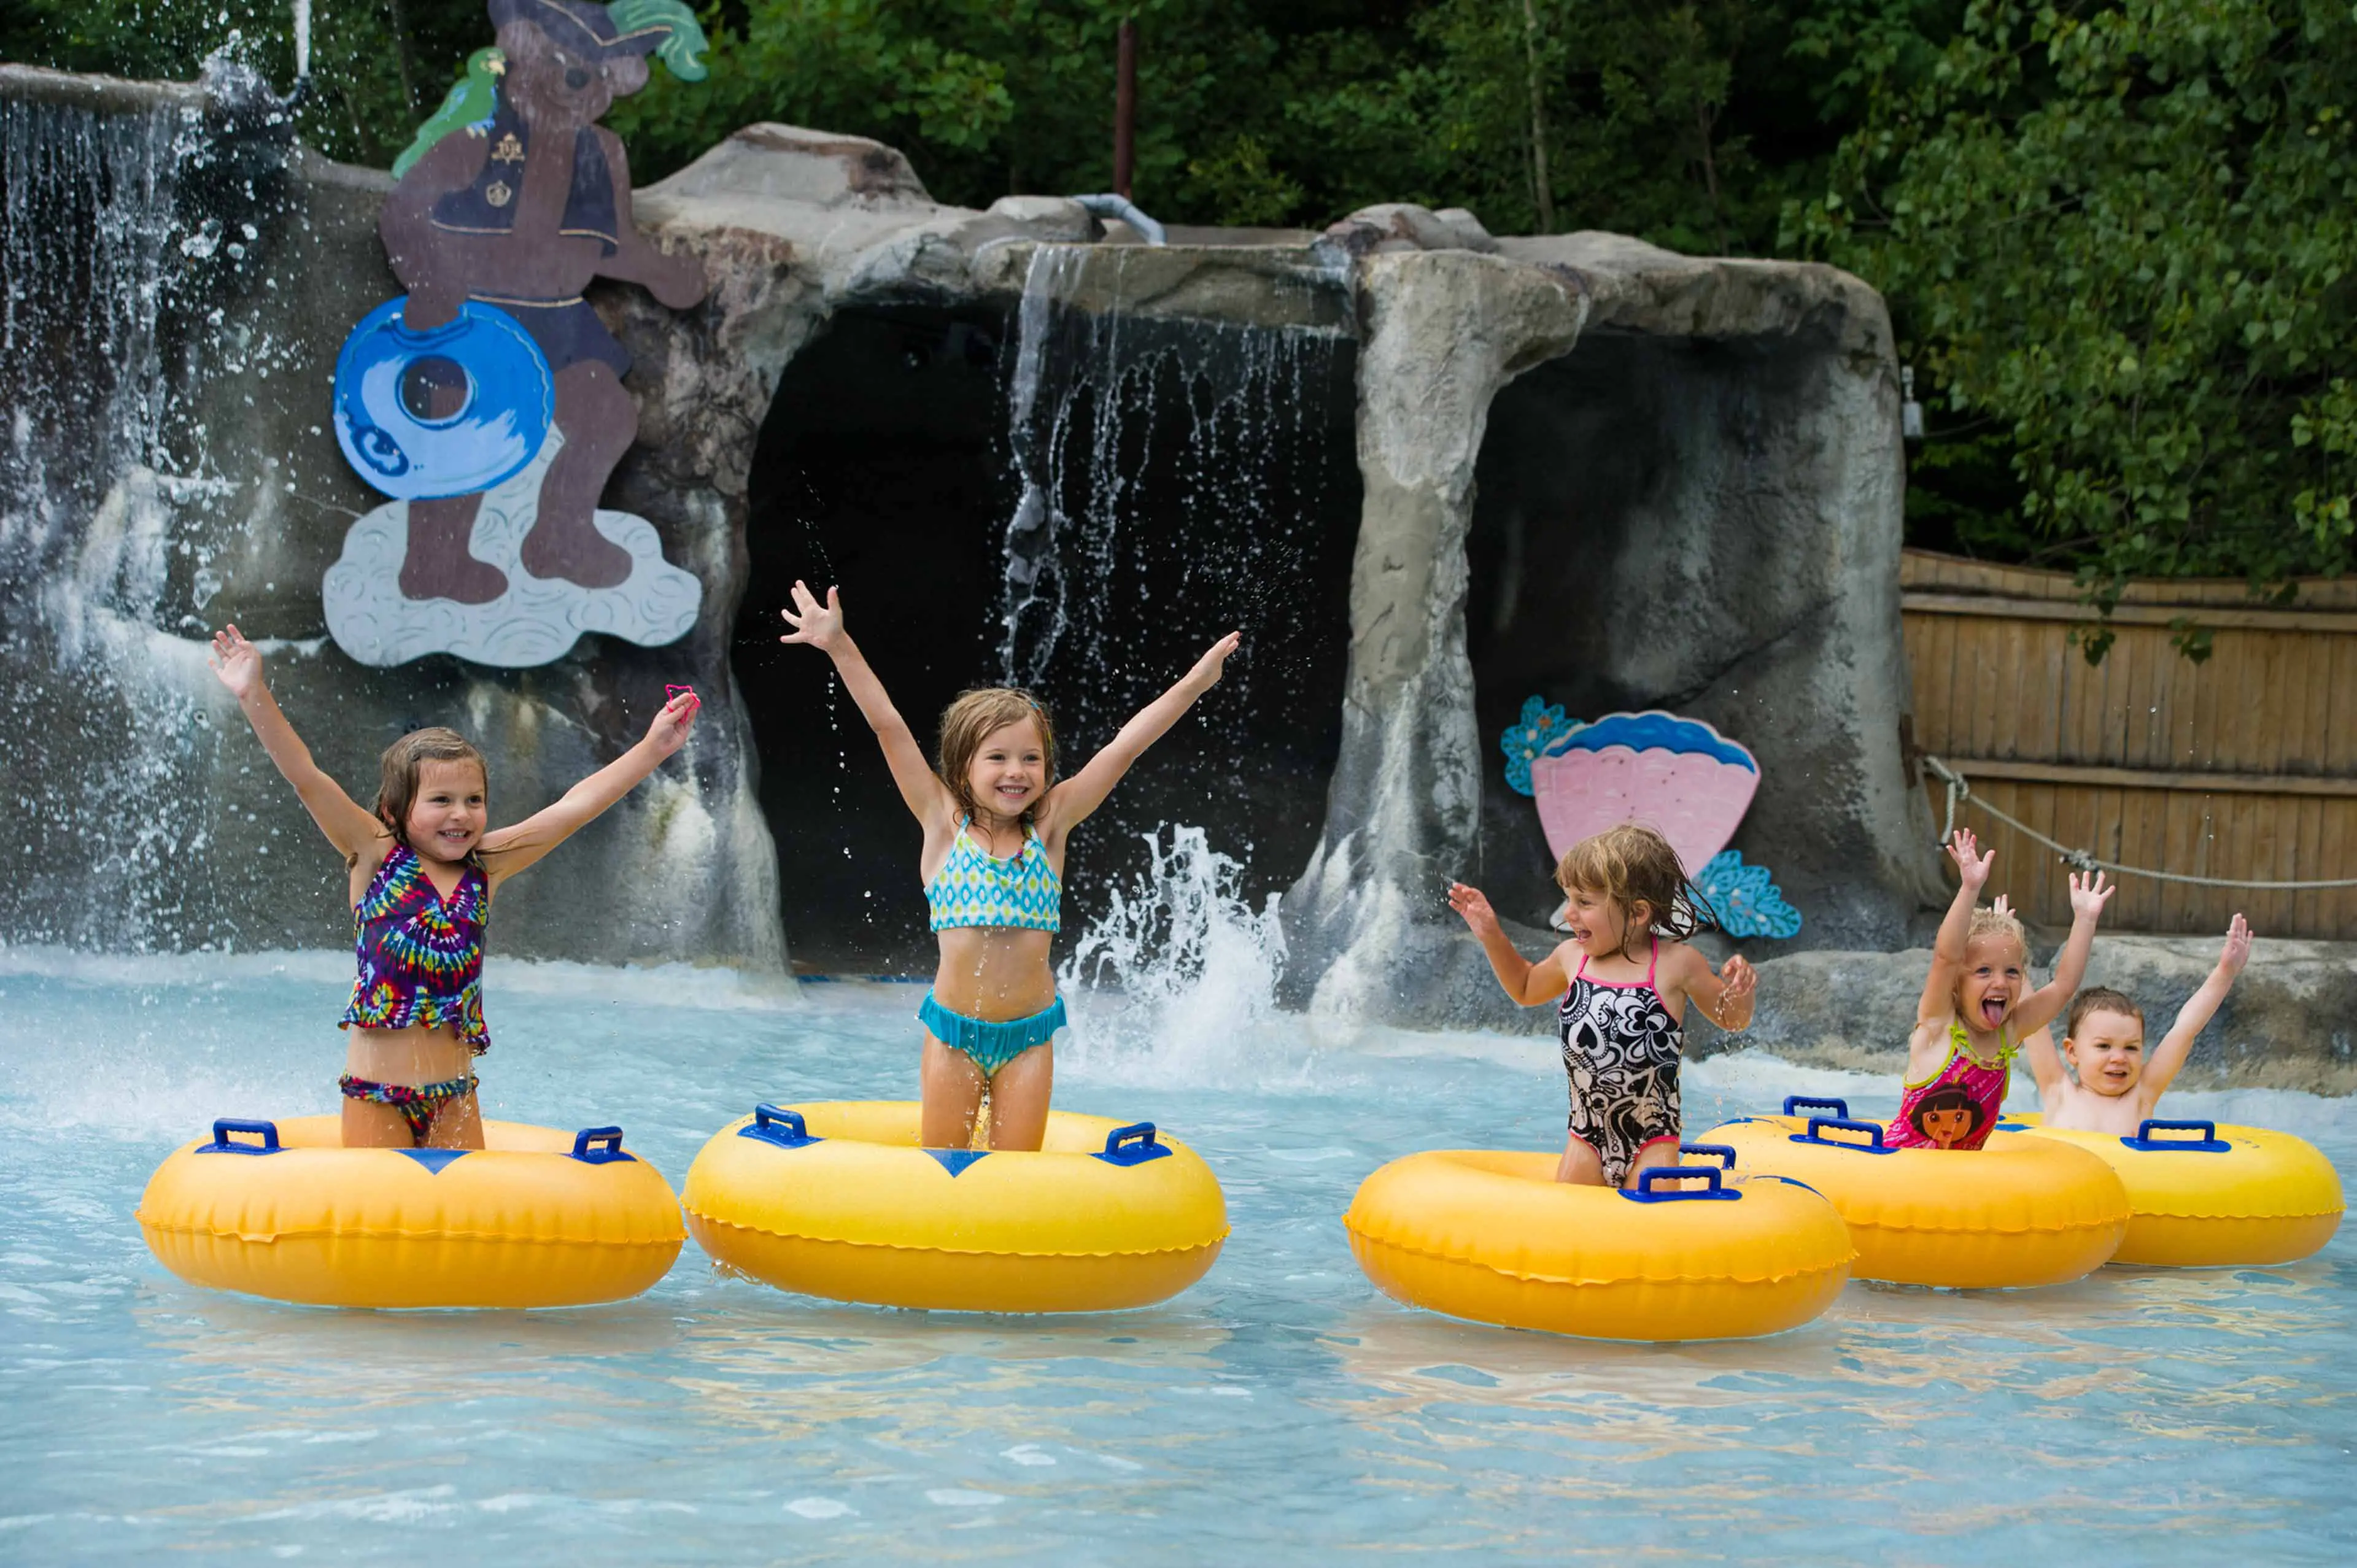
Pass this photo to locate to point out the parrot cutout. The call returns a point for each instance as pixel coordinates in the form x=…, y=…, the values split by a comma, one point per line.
x=470, y=105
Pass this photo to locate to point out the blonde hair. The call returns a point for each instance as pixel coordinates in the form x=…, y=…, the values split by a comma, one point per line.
x=402, y=761
x=1633, y=865
x=1988, y=922
x=970, y=720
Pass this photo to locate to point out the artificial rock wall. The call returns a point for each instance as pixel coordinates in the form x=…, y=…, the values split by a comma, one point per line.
x=1698, y=461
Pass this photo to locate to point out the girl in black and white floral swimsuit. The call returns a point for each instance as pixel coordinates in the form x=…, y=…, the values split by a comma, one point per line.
x=1623, y=991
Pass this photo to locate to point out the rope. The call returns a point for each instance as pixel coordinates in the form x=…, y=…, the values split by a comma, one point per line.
x=2084, y=860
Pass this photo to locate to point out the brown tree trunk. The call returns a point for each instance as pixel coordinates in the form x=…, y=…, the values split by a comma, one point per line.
x=405, y=53
x=1124, y=108
x=1542, y=184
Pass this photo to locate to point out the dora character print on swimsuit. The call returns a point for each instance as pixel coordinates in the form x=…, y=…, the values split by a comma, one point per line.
x=1946, y=1118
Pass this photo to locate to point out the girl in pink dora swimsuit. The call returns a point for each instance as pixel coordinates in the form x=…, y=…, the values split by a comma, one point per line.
x=1974, y=1012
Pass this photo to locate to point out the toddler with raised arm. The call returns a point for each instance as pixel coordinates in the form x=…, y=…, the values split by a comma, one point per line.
x=1621, y=1009
x=1977, y=1005
x=2110, y=1085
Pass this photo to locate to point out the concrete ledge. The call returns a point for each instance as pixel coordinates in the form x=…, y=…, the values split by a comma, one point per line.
x=2290, y=1022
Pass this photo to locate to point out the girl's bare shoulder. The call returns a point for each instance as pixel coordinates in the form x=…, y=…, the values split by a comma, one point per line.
x=366, y=862
x=1680, y=958
x=1930, y=1032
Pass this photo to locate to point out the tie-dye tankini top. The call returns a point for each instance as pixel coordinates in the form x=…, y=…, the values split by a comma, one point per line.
x=420, y=955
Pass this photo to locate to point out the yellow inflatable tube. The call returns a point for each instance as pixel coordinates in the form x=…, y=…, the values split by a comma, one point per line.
x=538, y=1218
x=1493, y=1236
x=2210, y=1195
x=2019, y=1211
x=836, y=1199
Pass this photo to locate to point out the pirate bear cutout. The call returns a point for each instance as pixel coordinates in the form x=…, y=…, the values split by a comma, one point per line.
x=489, y=401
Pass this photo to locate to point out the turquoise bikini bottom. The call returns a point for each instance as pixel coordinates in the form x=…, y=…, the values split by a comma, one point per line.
x=992, y=1045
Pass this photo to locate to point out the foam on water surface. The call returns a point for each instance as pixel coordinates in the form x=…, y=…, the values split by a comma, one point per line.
x=2137, y=1416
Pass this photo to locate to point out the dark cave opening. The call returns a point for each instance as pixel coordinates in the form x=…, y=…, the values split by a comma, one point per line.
x=1635, y=499
x=1201, y=477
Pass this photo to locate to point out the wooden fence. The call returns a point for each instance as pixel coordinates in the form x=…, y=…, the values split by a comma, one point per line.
x=2243, y=766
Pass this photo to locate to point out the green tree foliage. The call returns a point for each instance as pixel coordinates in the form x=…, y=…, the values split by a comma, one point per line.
x=2120, y=238
x=2115, y=234
x=378, y=67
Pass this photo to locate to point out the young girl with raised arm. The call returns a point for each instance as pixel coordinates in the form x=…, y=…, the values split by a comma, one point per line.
x=1976, y=1007
x=422, y=874
x=2111, y=1086
x=1620, y=1010
x=997, y=822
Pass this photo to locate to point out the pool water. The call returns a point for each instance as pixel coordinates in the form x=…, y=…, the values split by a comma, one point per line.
x=2140, y=1415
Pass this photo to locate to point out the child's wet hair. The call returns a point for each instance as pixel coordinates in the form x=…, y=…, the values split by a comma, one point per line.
x=1631, y=865
x=970, y=720
x=2101, y=999
x=403, y=760
x=1990, y=922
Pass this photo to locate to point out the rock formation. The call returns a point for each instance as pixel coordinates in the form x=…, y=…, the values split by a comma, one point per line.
x=1585, y=468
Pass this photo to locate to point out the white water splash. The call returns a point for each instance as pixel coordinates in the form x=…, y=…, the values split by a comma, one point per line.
x=1176, y=982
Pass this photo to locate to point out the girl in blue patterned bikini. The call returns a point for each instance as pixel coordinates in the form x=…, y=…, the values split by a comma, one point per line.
x=423, y=872
x=997, y=822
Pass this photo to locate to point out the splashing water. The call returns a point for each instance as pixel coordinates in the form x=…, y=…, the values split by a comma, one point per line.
x=88, y=249
x=1177, y=980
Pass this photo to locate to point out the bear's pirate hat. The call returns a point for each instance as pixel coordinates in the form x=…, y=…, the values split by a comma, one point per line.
x=662, y=27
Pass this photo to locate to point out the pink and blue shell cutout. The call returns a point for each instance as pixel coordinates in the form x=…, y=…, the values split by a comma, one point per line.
x=1679, y=775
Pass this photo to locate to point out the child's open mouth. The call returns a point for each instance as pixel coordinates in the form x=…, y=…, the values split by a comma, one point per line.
x=1992, y=1011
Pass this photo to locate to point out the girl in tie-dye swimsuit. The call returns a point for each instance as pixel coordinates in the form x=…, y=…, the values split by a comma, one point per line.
x=423, y=874
x=997, y=822
x=1978, y=1006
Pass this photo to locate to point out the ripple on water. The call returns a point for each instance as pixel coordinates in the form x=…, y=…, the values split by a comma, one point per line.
x=2139, y=1415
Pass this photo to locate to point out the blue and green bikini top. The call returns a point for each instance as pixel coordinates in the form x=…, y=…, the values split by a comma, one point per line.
x=974, y=888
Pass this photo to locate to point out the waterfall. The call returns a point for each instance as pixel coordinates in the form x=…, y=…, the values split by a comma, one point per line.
x=86, y=231
x=1031, y=617
x=1104, y=402
x=107, y=709
x=1165, y=496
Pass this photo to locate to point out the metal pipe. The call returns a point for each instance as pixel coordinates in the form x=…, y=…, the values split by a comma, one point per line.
x=1122, y=207
x=302, y=89
x=1124, y=108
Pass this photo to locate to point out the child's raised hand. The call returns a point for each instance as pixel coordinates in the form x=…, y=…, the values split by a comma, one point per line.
x=236, y=663
x=1740, y=980
x=1208, y=669
x=672, y=721
x=1971, y=866
x=1474, y=905
x=2089, y=893
x=2237, y=951
x=819, y=625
